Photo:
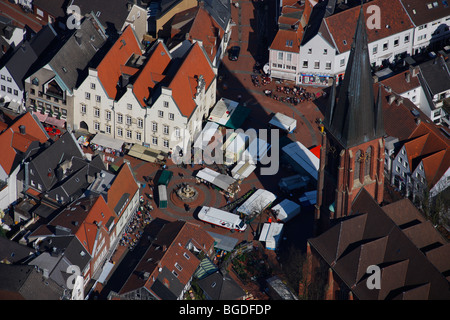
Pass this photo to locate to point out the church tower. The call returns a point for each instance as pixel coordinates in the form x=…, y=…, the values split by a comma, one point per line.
x=352, y=152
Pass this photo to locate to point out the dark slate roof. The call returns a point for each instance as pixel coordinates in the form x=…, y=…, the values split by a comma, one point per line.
x=354, y=117
x=72, y=60
x=111, y=14
x=370, y=237
x=220, y=10
x=14, y=252
x=27, y=53
x=55, y=7
x=435, y=75
x=218, y=286
x=25, y=282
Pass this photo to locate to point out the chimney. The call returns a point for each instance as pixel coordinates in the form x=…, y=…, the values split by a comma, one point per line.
x=417, y=121
x=391, y=99
x=375, y=79
x=399, y=101
x=414, y=71
x=22, y=129
x=408, y=77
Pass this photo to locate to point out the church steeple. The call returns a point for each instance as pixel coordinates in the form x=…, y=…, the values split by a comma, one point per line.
x=354, y=117
x=352, y=152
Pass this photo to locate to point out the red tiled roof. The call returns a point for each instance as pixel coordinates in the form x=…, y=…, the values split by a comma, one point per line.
x=124, y=182
x=343, y=24
x=113, y=64
x=399, y=84
x=283, y=37
x=11, y=139
x=184, y=82
x=152, y=73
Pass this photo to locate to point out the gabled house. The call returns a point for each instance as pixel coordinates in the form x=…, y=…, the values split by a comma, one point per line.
x=150, y=100
x=169, y=261
x=431, y=20
x=50, y=87
x=203, y=25
x=434, y=77
x=88, y=222
x=18, y=141
x=59, y=173
x=121, y=193
x=422, y=162
x=17, y=66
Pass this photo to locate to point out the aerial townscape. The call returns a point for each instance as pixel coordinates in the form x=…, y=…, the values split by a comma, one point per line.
x=216, y=150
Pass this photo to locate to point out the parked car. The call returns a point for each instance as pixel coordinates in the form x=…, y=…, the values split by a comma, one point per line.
x=233, y=53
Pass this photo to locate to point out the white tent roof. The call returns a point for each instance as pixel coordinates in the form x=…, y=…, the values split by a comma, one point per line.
x=205, y=136
x=271, y=234
x=222, y=111
x=223, y=181
x=304, y=157
x=283, y=121
x=107, y=142
x=259, y=200
x=286, y=209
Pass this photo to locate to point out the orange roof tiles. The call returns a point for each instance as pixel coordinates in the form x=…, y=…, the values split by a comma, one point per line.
x=184, y=82
x=342, y=25
x=11, y=140
x=153, y=70
x=124, y=182
x=112, y=65
x=284, y=38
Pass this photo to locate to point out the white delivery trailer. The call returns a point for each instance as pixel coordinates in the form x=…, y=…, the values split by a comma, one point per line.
x=286, y=210
x=221, y=218
x=234, y=146
x=271, y=234
x=283, y=122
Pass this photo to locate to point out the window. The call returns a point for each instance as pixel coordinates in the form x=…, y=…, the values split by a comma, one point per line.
x=289, y=57
x=83, y=108
x=186, y=255
x=129, y=134
x=166, y=104
x=154, y=126
x=16, y=93
x=129, y=120
x=87, y=96
x=129, y=106
x=342, y=62
x=155, y=140
x=8, y=79
x=166, y=129
x=316, y=64
x=279, y=65
x=375, y=49
x=98, y=98
x=385, y=46
x=3, y=77
x=108, y=115
x=396, y=41
x=93, y=86
x=96, y=126
x=3, y=88
x=160, y=113
x=138, y=136
x=397, y=169
x=177, y=133
x=280, y=55
x=108, y=129
x=120, y=132
x=309, y=50
x=305, y=63
x=174, y=273
x=119, y=118
x=171, y=116
x=166, y=143
x=325, y=52
x=328, y=65
x=407, y=38
x=140, y=123
x=178, y=266
x=96, y=112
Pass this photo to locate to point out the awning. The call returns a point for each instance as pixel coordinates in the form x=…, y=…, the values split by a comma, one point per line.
x=107, y=142
x=145, y=153
x=55, y=122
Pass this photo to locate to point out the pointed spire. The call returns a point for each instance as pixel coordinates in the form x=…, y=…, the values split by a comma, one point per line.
x=353, y=118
